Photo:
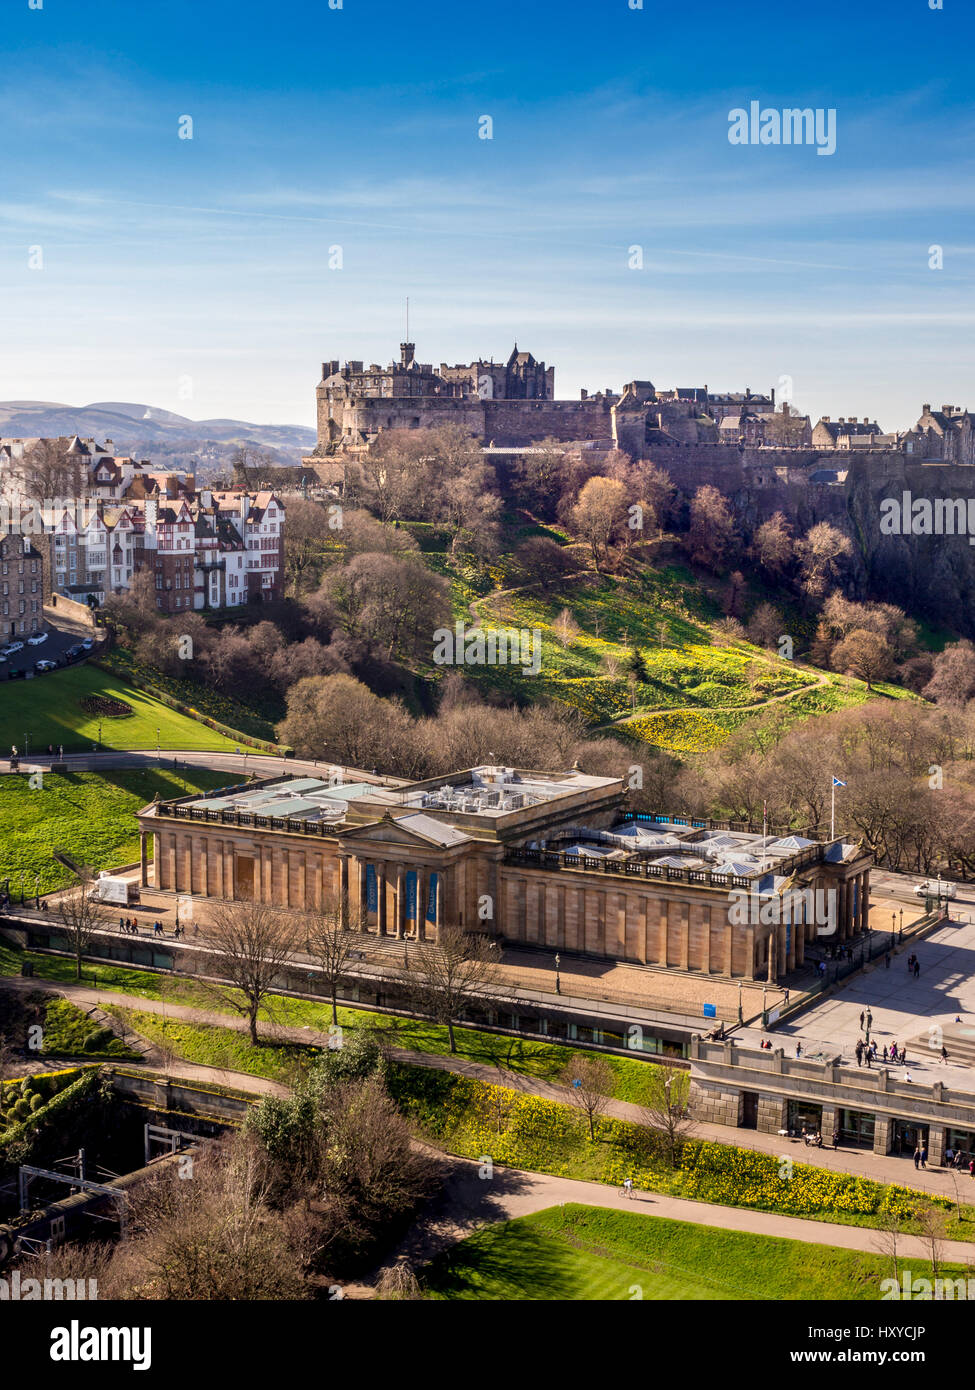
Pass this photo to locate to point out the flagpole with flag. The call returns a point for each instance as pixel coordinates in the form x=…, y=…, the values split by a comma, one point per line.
x=832, y=806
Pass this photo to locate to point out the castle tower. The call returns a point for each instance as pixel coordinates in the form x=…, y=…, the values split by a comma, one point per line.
x=407, y=351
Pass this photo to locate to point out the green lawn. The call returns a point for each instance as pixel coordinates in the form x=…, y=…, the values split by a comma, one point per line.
x=212, y=1046
x=91, y=815
x=48, y=710
x=581, y=1253
x=68, y=1031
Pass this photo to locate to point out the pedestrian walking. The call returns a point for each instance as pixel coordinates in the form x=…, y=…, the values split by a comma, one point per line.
x=944, y=1056
x=885, y=1052
x=869, y=1020
x=917, y=968
x=861, y=1020
x=836, y=1138
x=924, y=1157
x=798, y=1050
x=971, y=1167
x=917, y=1158
x=61, y=751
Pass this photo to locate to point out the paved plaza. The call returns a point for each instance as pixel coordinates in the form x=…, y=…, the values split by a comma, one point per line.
x=906, y=1010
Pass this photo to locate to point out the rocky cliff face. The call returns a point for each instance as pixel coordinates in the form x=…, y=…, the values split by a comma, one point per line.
x=905, y=560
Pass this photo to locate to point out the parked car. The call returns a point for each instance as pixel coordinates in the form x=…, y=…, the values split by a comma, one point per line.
x=87, y=644
x=11, y=647
x=73, y=652
x=930, y=890
x=45, y=665
x=37, y=639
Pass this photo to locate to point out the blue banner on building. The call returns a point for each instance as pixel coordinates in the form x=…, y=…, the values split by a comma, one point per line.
x=411, y=895
x=372, y=889
x=432, y=898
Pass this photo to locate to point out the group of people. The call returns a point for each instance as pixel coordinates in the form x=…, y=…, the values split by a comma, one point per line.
x=913, y=965
x=130, y=926
x=954, y=1158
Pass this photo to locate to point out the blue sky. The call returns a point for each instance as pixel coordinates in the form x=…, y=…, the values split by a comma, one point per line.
x=194, y=275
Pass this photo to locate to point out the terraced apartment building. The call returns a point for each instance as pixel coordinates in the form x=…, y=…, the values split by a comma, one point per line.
x=553, y=860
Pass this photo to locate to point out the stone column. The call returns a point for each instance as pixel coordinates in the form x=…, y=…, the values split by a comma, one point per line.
x=936, y=1145
x=381, y=899
x=441, y=899
x=343, y=891
x=865, y=900
x=400, y=904
x=143, y=860
x=363, y=896
x=751, y=967
x=420, y=904
x=881, y=1135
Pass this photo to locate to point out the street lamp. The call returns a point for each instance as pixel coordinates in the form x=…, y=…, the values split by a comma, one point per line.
x=741, y=1018
x=558, y=962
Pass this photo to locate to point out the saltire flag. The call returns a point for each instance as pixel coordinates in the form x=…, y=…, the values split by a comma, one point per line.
x=838, y=783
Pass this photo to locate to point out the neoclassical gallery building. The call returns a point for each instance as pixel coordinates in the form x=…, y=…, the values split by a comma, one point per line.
x=551, y=859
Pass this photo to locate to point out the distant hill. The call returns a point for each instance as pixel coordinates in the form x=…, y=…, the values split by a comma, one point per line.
x=139, y=429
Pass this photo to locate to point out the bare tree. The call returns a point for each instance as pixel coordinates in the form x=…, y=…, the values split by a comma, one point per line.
x=306, y=538
x=214, y=1237
x=446, y=975
x=398, y=1283
x=863, y=654
x=666, y=1109
x=566, y=628
x=933, y=1221
x=592, y=1083
x=251, y=943
x=81, y=914
x=331, y=942
x=888, y=1238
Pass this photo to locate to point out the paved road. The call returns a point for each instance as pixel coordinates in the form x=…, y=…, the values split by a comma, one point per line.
x=260, y=764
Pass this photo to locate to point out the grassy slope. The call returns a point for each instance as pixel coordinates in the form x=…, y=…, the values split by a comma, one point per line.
x=91, y=815
x=697, y=690
x=591, y=1253
x=68, y=1031
x=47, y=710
